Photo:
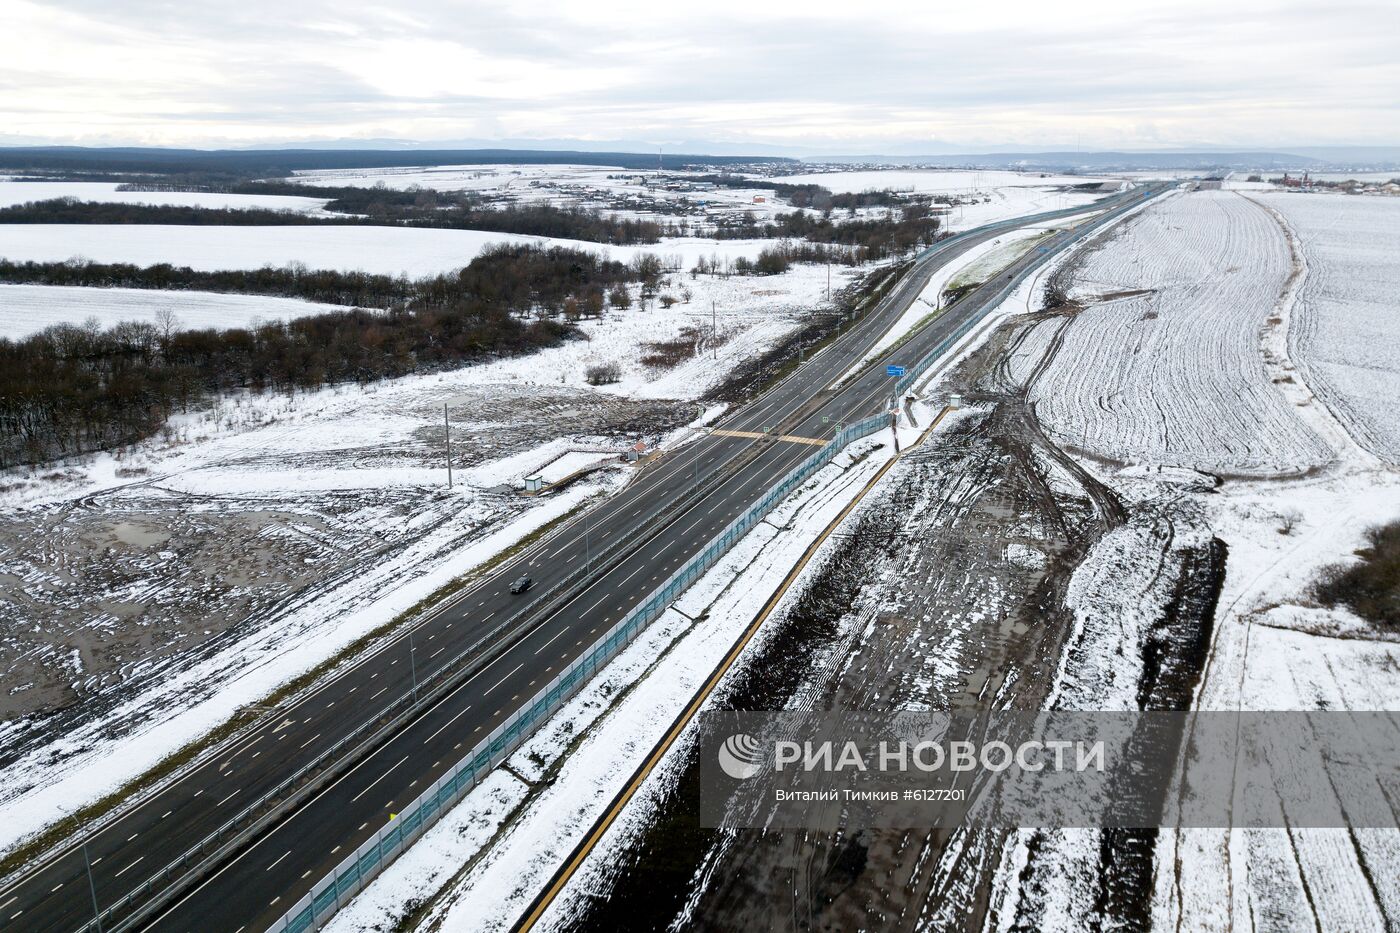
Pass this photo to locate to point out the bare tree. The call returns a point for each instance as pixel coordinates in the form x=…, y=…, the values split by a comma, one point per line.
x=167, y=321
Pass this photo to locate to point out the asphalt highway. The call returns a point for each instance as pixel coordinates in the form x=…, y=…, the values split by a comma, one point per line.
x=714, y=478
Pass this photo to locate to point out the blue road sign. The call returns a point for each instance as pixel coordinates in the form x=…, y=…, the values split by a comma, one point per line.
x=894, y=370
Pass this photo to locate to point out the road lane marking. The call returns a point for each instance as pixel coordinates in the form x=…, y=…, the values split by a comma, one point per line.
x=310, y=740
x=129, y=867
x=228, y=798
x=551, y=641
x=279, y=860
x=503, y=679
x=378, y=779
x=445, y=725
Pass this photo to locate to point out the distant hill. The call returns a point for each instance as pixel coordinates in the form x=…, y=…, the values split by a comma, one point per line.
x=285, y=161
x=1105, y=161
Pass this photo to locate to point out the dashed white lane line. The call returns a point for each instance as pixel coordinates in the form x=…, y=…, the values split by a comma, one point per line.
x=595, y=605
x=445, y=725
x=503, y=679
x=279, y=859
x=129, y=867
x=551, y=641
x=228, y=798
x=381, y=777
x=310, y=740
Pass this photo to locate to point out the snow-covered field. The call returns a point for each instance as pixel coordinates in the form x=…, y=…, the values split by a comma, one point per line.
x=461, y=177
x=409, y=251
x=1244, y=306
x=582, y=185
x=1163, y=365
x=1347, y=326
x=26, y=309
x=20, y=192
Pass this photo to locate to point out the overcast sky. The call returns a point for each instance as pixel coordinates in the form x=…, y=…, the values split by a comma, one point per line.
x=851, y=77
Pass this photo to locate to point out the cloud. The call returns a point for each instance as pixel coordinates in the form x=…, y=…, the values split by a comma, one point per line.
x=849, y=76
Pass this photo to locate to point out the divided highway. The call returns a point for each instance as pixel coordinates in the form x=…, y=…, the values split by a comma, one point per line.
x=714, y=479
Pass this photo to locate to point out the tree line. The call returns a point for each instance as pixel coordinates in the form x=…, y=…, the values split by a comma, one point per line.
x=372, y=207
x=867, y=239
x=72, y=389
x=326, y=286
x=818, y=197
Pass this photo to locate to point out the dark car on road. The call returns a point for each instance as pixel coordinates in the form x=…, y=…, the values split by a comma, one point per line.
x=521, y=585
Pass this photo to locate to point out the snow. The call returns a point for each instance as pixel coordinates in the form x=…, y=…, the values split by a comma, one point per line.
x=1237, y=290
x=27, y=309
x=20, y=192
x=1175, y=377
x=563, y=184
x=501, y=176
x=1348, y=336
x=415, y=252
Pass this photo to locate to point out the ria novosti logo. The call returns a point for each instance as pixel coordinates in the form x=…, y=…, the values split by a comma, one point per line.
x=741, y=756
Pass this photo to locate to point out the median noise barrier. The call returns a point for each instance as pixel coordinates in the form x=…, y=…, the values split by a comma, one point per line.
x=361, y=866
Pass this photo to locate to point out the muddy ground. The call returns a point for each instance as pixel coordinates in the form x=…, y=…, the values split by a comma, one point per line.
x=948, y=593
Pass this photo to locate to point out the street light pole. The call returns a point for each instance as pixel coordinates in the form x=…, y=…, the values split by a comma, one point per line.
x=447, y=432
x=92, y=889
x=413, y=666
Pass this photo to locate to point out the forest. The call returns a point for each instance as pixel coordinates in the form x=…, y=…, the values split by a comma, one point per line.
x=73, y=389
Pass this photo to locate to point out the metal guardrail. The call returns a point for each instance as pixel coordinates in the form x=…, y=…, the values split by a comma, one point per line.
x=361, y=866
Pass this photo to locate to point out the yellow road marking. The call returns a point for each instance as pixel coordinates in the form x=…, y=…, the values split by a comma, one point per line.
x=605, y=822
x=755, y=435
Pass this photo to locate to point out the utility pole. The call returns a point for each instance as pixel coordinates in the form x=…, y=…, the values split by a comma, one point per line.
x=714, y=330
x=828, y=280
x=92, y=889
x=447, y=432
